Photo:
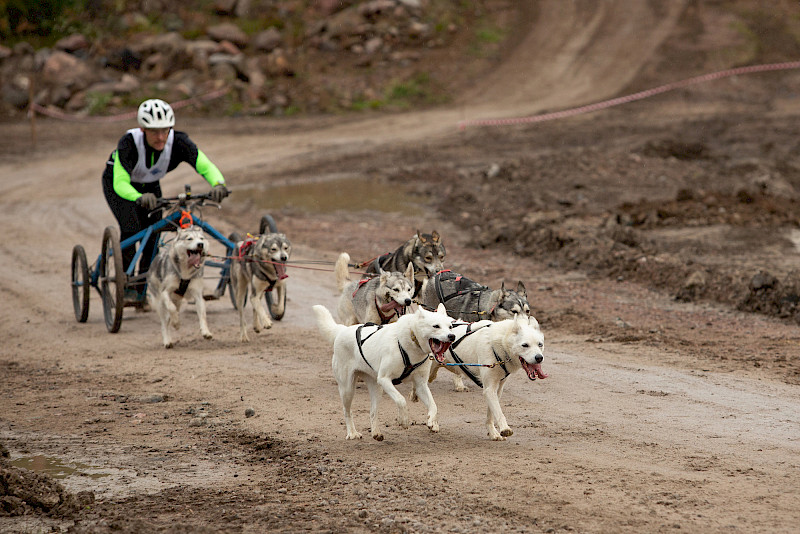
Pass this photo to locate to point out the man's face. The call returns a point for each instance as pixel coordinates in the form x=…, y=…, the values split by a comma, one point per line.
x=156, y=137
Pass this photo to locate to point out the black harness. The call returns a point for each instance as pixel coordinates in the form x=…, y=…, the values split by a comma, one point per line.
x=462, y=287
x=466, y=369
x=184, y=285
x=407, y=369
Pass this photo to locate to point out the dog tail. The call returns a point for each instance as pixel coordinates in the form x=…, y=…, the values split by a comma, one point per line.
x=327, y=326
x=342, y=271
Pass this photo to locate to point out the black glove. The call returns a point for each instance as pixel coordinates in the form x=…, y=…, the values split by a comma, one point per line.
x=218, y=192
x=148, y=201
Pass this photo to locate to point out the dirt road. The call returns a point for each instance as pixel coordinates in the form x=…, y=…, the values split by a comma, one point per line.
x=624, y=436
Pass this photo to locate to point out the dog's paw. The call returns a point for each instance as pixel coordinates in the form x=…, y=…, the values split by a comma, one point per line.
x=169, y=345
x=208, y=335
x=354, y=435
x=403, y=421
x=377, y=436
x=506, y=432
x=433, y=426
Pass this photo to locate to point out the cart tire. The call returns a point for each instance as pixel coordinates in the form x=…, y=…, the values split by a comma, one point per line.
x=235, y=237
x=267, y=223
x=112, y=279
x=80, y=284
x=277, y=305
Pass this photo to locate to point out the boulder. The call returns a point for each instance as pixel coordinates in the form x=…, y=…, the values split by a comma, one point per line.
x=268, y=40
x=227, y=31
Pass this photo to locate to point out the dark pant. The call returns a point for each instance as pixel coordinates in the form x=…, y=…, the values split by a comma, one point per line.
x=132, y=218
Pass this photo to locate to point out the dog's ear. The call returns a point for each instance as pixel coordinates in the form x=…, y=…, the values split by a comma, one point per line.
x=435, y=236
x=410, y=273
x=517, y=324
x=421, y=237
x=384, y=275
x=441, y=309
x=503, y=289
x=521, y=290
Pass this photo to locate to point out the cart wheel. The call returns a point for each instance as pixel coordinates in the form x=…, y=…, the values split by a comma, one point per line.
x=80, y=284
x=112, y=279
x=235, y=237
x=267, y=223
x=276, y=305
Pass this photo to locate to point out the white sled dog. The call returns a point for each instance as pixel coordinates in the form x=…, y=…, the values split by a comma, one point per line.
x=260, y=267
x=379, y=299
x=385, y=355
x=498, y=349
x=175, y=275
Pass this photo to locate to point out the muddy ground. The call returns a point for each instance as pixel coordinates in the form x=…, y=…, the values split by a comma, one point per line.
x=659, y=243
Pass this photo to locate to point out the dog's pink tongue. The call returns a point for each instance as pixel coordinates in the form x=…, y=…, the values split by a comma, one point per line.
x=533, y=370
x=390, y=306
x=280, y=270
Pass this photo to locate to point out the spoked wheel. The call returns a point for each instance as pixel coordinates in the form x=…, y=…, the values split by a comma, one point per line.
x=235, y=237
x=80, y=284
x=112, y=279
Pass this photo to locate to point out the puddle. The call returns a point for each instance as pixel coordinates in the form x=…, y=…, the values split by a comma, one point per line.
x=55, y=467
x=335, y=192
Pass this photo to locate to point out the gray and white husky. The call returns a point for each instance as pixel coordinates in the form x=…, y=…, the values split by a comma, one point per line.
x=380, y=299
x=259, y=267
x=425, y=251
x=470, y=301
x=175, y=275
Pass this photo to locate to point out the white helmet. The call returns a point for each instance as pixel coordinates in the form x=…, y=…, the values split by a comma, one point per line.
x=155, y=113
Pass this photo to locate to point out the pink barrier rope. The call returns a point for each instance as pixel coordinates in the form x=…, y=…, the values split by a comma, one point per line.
x=633, y=97
x=57, y=114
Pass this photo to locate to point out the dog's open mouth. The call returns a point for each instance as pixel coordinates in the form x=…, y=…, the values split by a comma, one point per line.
x=393, y=305
x=438, y=348
x=195, y=257
x=280, y=270
x=533, y=370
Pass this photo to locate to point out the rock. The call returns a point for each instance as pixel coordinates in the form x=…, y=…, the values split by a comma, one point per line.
x=72, y=43
x=249, y=412
x=267, y=40
x=762, y=281
x=224, y=7
x=61, y=69
x=228, y=31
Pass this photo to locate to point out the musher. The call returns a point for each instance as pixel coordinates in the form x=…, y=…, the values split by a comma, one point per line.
x=142, y=158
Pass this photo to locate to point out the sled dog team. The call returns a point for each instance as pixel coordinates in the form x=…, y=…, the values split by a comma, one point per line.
x=473, y=331
x=476, y=332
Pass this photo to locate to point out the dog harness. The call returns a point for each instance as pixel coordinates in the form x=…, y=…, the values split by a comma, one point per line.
x=462, y=287
x=463, y=366
x=408, y=366
x=182, y=287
